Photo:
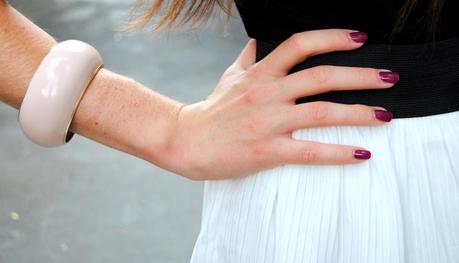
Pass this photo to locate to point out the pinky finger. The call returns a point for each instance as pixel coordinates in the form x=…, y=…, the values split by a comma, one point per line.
x=309, y=152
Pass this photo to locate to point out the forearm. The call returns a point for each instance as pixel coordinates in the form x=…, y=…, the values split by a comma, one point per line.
x=123, y=114
x=115, y=110
x=22, y=47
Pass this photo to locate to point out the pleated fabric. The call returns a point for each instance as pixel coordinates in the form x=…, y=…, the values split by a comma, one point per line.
x=402, y=205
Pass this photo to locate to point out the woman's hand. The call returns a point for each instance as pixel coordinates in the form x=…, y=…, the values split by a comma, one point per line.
x=246, y=124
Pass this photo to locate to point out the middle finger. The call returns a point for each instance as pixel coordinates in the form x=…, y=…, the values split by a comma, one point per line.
x=321, y=79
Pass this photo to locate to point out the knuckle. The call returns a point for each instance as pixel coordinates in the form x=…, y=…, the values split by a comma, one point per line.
x=334, y=36
x=364, y=75
x=338, y=35
x=339, y=38
x=295, y=41
x=260, y=152
x=238, y=84
x=320, y=74
x=341, y=155
x=308, y=155
x=255, y=70
x=319, y=111
x=256, y=125
x=254, y=94
x=362, y=112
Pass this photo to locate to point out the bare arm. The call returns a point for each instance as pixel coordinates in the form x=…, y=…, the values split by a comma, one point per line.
x=116, y=111
x=245, y=125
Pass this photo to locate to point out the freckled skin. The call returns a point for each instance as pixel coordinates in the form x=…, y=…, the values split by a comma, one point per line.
x=242, y=127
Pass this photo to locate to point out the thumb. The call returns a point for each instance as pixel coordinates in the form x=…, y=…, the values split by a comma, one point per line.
x=248, y=55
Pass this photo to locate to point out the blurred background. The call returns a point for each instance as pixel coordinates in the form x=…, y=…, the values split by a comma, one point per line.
x=85, y=202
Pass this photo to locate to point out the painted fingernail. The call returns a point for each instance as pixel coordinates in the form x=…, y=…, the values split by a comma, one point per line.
x=362, y=154
x=383, y=115
x=358, y=37
x=389, y=76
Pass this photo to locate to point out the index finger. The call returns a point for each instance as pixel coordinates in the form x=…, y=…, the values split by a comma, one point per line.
x=302, y=45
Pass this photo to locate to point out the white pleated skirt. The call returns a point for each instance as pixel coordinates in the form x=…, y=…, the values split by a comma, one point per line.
x=402, y=205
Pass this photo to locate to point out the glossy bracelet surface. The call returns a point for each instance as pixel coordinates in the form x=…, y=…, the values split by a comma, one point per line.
x=55, y=91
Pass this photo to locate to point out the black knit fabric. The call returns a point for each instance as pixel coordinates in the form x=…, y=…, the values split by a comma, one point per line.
x=429, y=76
x=278, y=19
x=429, y=73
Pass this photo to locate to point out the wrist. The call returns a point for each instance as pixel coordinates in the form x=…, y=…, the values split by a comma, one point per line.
x=179, y=154
x=162, y=138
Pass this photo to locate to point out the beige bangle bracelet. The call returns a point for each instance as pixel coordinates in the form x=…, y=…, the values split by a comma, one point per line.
x=55, y=91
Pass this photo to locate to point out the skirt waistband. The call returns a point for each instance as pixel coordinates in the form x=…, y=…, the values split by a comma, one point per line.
x=429, y=76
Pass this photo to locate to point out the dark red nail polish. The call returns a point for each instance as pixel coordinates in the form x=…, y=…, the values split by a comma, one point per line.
x=383, y=115
x=362, y=154
x=389, y=76
x=358, y=37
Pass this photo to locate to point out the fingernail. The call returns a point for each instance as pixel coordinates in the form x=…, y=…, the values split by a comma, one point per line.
x=389, y=76
x=362, y=154
x=383, y=115
x=358, y=37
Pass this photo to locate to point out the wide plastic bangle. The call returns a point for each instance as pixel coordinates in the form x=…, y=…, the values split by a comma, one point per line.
x=55, y=91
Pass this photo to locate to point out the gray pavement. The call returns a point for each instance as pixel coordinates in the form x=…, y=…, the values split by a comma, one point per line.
x=85, y=202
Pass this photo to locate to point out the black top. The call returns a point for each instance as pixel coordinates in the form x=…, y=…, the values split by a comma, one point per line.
x=278, y=19
x=429, y=74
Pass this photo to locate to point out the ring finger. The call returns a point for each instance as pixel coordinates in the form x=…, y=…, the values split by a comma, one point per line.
x=324, y=113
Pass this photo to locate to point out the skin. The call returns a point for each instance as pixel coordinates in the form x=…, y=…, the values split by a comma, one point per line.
x=243, y=126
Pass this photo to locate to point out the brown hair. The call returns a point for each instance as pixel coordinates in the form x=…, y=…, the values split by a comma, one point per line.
x=196, y=11
x=177, y=12
x=431, y=19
